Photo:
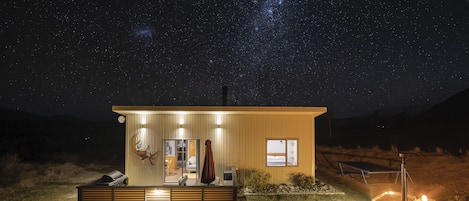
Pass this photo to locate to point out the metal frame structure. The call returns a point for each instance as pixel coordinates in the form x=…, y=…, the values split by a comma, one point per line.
x=366, y=168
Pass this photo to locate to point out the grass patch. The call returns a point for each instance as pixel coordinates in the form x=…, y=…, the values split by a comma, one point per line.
x=49, y=192
x=44, y=181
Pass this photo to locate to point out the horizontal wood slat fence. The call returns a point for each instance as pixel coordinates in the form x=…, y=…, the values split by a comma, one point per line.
x=157, y=193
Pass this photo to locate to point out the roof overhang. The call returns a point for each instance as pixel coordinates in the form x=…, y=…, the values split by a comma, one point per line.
x=125, y=110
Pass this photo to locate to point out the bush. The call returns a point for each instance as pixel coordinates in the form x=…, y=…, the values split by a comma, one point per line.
x=10, y=169
x=57, y=173
x=256, y=179
x=302, y=180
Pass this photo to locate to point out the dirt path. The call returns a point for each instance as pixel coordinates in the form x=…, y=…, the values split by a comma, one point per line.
x=83, y=177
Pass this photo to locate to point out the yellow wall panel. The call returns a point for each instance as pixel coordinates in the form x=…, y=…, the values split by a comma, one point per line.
x=240, y=141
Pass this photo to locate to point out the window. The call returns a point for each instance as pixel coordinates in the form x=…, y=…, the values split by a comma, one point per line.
x=282, y=152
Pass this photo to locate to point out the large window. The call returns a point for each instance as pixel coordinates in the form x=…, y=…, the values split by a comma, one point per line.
x=282, y=152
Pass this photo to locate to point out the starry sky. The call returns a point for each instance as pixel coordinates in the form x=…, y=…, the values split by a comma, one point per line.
x=79, y=58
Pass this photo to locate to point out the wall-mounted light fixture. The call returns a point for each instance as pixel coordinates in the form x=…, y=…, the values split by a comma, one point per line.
x=181, y=131
x=181, y=119
x=121, y=119
x=143, y=120
x=218, y=130
x=180, y=125
x=219, y=119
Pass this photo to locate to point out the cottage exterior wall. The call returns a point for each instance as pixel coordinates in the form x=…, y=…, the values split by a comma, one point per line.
x=239, y=140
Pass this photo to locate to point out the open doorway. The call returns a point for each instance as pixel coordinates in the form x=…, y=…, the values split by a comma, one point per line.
x=181, y=159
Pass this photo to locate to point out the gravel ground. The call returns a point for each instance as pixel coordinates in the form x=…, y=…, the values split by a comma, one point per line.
x=319, y=187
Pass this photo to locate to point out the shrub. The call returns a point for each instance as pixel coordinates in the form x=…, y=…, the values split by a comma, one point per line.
x=302, y=180
x=57, y=172
x=10, y=169
x=242, y=175
x=256, y=179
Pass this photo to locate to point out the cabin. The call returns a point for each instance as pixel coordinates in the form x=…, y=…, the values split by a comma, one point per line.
x=166, y=143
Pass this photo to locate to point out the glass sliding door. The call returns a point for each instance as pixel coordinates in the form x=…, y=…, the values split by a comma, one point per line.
x=181, y=159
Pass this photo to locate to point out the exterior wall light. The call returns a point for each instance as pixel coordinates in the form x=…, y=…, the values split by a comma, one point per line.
x=219, y=120
x=143, y=120
x=181, y=120
x=181, y=132
x=180, y=125
x=121, y=119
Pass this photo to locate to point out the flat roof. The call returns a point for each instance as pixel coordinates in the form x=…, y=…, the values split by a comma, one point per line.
x=124, y=110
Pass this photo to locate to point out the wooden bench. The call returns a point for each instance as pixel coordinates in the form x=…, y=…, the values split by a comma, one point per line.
x=365, y=169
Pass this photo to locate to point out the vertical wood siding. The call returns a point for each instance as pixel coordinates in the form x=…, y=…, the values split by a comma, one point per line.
x=141, y=172
x=240, y=141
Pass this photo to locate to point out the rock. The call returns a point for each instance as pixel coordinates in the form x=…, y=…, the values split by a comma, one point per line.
x=248, y=189
x=319, y=187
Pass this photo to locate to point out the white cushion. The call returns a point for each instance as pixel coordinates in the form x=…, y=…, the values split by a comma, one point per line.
x=192, y=160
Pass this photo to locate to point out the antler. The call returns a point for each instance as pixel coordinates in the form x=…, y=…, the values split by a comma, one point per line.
x=150, y=156
x=142, y=151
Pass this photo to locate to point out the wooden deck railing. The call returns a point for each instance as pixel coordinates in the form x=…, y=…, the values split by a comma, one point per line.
x=156, y=193
x=227, y=192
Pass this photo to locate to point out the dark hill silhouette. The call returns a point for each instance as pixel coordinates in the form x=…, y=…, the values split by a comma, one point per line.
x=8, y=114
x=444, y=125
x=453, y=109
x=40, y=138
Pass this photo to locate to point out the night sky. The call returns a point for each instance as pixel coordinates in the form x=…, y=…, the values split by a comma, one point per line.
x=81, y=57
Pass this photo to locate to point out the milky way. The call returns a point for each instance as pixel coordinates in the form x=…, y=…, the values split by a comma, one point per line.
x=79, y=58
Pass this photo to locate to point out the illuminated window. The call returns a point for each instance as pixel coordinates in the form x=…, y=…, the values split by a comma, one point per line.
x=282, y=152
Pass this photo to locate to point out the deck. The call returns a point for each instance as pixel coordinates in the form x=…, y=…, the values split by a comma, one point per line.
x=157, y=193
x=227, y=191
